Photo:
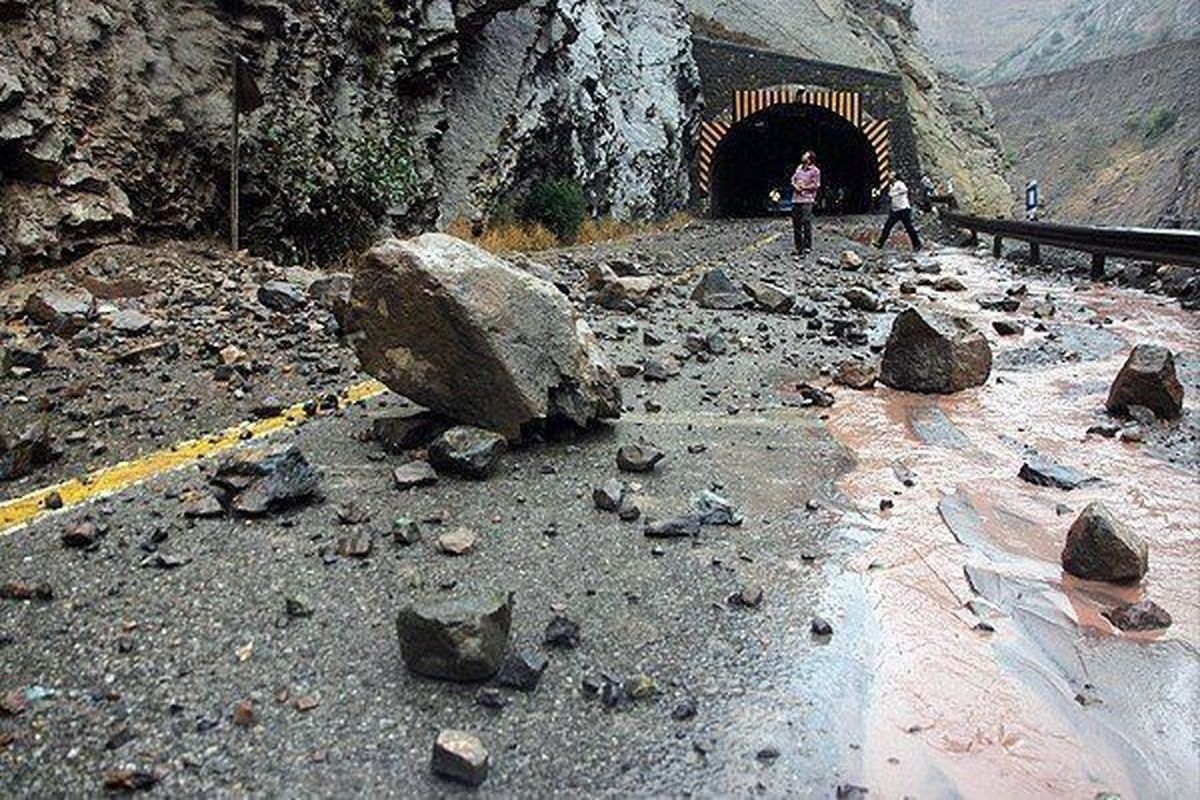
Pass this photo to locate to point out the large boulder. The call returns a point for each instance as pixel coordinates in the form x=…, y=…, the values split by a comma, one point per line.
x=456, y=640
x=1100, y=548
x=935, y=354
x=716, y=290
x=1147, y=379
x=467, y=335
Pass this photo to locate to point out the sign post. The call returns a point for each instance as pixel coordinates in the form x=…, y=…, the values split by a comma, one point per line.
x=246, y=97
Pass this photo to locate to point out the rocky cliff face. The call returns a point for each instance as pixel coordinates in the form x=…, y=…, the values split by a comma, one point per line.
x=956, y=136
x=115, y=114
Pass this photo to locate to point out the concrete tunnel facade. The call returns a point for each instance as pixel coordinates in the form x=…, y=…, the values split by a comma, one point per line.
x=764, y=109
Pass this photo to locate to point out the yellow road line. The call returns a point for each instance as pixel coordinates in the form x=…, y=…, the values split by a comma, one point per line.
x=19, y=511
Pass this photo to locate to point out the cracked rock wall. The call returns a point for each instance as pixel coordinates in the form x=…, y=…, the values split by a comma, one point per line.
x=114, y=114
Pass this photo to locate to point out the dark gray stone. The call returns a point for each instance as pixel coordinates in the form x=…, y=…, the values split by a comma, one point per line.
x=1043, y=472
x=258, y=482
x=282, y=296
x=414, y=473
x=467, y=451
x=1148, y=379
x=522, y=670
x=461, y=757
x=935, y=354
x=717, y=291
x=1100, y=548
x=1142, y=616
x=464, y=639
x=641, y=456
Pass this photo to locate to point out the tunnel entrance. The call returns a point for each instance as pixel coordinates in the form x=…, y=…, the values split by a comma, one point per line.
x=759, y=154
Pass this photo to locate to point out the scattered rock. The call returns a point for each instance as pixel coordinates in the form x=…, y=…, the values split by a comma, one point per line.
x=522, y=670
x=399, y=434
x=717, y=291
x=130, y=322
x=1008, y=327
x=80, y=535
x=457, y=640
x=948, y=283
x=405, y=532
x=712, y=509
x=769, y=298
x=562, y=632
x=413, y=474
x=641, y=456
x=1148, y=379
x=260, y=481
x=355, y=545
x=1145, y=615
x=1043, y=472
x=821, y=627
x=467, y=451
x=243, y=714
x=862, y=299
x=62, y=311
x=298, y=606
x=684, y=710
x=130, y=780
x=660, y=369
x=856, y=375
x=19, y=456
x=457, y=542
x=999, y=302
x=934, y=353
x=1101, y=548
x=461, y=757
x=468, y=335
x=815, y=396
x=282, y=296
x=850, y=260
x=673, y=528
x=749, y=597
x=608, y=497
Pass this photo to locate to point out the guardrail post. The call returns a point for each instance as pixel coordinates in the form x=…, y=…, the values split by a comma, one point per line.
x=997, y=247
x=1097, y=266
x=1035, y=253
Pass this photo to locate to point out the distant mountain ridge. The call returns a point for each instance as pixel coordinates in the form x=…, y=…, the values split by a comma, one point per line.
x=990, y=41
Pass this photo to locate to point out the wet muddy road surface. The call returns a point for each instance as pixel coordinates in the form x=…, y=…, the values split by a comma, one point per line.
x=139, y=666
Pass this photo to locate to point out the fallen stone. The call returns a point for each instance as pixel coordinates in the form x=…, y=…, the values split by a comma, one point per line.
x=62, y=311
x=413, y=474
x=630, y=509
x=562, y=632
x=80, y=535
x=641, y=456
x=673, y=528
x=467, y=451
x=821, y=627
x=355, y=545
x=1043, y=472
x=467, y=335
x=949, y=283
x=462, y=640
x=815, y=396
x=712, y=509
x=684, y=710
x=1008, y=327
x=461, y=757
x=850, y=260
x=999, y=302
x=1100, y=547
x=862, y=299
x=1145, y=615
x=19, y=355
x=261, y=481
x=282, y=296
x=856, y=375
x=406, y=532
x=769, y=298
x=21, y=455
x=298, y=606
x=399, y=434
x=130, y=322
x=934, y=353
x=1148, y=379
x=522, y=670
x=749, y=597
x=130, y=780
x=608, y=496
x=457, y=542
x=617, y=292
x=493, y=698
x=660, y=369
x=717, y=291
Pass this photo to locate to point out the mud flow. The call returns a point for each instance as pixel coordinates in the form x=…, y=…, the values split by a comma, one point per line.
x=995, y=674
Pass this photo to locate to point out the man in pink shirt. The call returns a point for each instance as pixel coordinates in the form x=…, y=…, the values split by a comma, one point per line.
x=806, y=182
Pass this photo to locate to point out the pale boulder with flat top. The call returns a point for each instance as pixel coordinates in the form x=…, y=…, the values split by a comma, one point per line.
x=469, y=336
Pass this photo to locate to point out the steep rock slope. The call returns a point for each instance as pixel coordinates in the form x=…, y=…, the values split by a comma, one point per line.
x=966, y=36
x=1127, y=148
x=956, y=137
x=115, y=114
x=1089, y=30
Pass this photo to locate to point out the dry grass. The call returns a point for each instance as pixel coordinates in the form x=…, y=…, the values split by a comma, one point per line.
x=524, y=237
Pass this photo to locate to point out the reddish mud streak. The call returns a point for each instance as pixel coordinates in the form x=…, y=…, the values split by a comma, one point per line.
x=981, y=728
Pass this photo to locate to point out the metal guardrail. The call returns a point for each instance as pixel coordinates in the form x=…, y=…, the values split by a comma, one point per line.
x=1144, y=244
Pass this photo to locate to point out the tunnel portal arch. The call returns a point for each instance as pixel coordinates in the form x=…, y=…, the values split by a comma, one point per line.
x=744, y=160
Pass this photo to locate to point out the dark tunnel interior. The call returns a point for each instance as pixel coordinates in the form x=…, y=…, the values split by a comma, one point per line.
x=761, y=152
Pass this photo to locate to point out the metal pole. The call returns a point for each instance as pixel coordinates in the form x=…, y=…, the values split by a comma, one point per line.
x=233, y=165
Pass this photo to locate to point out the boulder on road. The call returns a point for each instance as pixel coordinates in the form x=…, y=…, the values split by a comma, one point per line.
x=717, y=291
x=456, y=640
x=619, y=293
x=260, y=481
x=770, y=298
x=935, y=354
x=1148, y=379
x=464, y=450
x=1100, y=548
x=467, y=335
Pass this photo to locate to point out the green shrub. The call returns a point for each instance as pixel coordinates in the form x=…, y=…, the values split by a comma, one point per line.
x=368, y=26
x=560, y=205
x=1158, y=122
x=315, y=207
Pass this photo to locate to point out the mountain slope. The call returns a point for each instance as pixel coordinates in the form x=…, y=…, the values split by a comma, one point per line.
x=967, y=36
x=1128, y=149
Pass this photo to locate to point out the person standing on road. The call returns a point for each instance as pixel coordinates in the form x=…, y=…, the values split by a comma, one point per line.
x=806, y=182
x=901, y=212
